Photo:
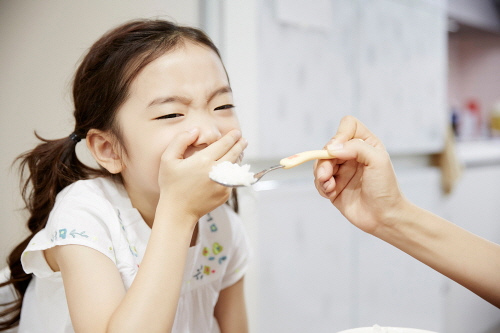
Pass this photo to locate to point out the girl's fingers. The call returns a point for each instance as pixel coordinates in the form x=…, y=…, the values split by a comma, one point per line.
x=179, y=144
x=235, y=152
x=221, y=147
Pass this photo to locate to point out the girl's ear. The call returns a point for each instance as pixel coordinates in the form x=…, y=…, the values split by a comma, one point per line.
x=103, y=148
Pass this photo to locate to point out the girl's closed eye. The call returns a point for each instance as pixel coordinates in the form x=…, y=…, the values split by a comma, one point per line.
x=170, y=115
x=224, y=107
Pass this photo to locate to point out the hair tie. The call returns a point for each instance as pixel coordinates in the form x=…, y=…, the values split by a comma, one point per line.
x=73, y=136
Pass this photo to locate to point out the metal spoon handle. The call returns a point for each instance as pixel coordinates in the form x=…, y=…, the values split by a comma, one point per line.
x=263, y=172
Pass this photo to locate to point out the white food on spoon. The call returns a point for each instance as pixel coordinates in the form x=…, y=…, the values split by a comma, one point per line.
x=232, y=174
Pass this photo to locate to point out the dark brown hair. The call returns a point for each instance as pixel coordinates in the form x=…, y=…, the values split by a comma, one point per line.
x=100, y=87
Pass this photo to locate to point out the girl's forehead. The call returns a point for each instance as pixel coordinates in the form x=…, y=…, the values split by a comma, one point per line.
x=188, y=65
x=185, y=55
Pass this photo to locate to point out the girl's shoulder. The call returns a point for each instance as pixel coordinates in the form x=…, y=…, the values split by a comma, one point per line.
x=85, y=213
x=101, y=187
x=98, y=194
x=86, y=202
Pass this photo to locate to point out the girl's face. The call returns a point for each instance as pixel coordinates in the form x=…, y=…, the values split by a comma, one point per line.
x=185, y=88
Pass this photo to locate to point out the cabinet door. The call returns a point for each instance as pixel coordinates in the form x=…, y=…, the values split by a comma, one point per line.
x=307, y=78
x=402, y=73
x=304, y=255
x=381, y=60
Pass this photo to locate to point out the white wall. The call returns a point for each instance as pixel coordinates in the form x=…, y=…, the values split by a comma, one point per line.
x=42, y=43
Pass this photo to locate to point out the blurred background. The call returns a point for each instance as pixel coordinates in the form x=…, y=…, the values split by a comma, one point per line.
x=412, y=70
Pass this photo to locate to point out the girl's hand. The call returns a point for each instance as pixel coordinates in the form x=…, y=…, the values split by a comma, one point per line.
x=361, y=182
x=184, y=182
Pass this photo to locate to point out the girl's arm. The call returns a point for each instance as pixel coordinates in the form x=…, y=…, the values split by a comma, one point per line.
x=151, y=302
x=230, y=310
x=97, y=299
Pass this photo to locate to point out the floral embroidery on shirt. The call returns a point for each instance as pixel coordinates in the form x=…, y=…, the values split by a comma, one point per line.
x=199, y=273
x=74, y=234
x=202, y=271
x=133, y=250
x=120, y=219
x=63, y=233
x=221, y=259
x=217, y=248
x=212, y=253
x=131, y=247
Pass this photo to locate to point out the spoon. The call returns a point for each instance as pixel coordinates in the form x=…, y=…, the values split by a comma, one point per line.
x=287, y=163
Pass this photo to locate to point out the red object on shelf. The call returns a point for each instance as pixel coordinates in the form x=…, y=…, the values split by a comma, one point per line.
x=473, y=106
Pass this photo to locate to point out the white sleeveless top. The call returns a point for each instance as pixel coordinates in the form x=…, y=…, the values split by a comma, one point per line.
x=97, y=213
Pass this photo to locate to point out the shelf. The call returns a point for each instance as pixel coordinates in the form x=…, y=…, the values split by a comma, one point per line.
x=479, y=153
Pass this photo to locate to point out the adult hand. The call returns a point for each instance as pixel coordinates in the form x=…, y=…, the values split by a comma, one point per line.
x=360, y=182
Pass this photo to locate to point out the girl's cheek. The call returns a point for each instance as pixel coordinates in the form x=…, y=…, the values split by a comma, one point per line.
x=234, y=124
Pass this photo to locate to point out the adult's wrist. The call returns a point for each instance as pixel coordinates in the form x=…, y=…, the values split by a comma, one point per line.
x=398, y=221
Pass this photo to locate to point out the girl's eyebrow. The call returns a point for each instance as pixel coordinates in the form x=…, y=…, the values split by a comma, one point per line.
x=170, y=99
x=220, y=91
x=185, y=100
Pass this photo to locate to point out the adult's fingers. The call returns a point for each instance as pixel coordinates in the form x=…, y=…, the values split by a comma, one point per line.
x=323, y=170
x=360, y=151
x=352, y=128
x=331, y=183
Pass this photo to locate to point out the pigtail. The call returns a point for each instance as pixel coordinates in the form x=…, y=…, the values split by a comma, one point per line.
x=44, y=172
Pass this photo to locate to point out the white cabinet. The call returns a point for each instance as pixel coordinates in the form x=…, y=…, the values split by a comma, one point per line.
x=381, y=60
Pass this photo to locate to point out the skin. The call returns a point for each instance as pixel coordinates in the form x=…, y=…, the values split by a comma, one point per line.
x=361, y=183
x=177, y=122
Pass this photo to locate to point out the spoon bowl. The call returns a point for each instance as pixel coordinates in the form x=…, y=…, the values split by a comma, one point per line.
x=286, y=163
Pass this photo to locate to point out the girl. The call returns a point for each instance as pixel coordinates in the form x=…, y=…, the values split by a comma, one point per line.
x=144, y=244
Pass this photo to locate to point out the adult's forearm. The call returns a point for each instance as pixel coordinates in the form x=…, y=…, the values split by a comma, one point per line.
x=468, y=259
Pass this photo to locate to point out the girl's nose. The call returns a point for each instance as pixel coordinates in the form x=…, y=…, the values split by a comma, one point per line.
x=209, y=133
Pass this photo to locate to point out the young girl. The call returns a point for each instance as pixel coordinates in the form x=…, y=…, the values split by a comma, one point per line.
x=145, y=244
